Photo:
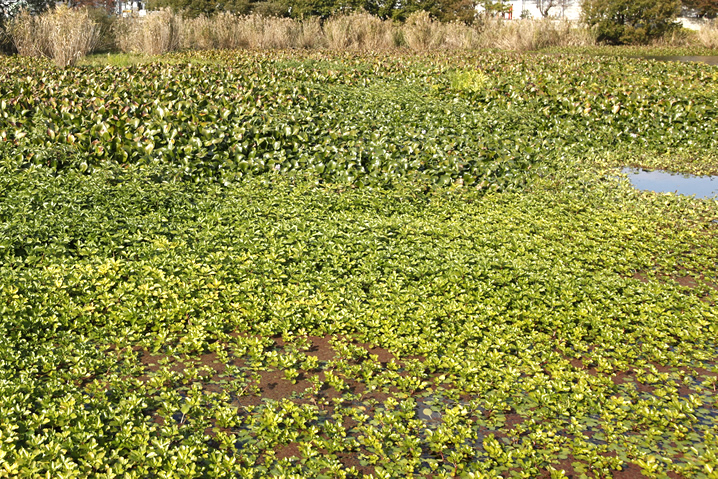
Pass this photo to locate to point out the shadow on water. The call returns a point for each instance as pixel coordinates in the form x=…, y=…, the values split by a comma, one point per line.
x=710, y=60
x=665, y=182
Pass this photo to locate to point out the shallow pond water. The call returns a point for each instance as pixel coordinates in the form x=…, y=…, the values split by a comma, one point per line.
x=710, y=60
x=666, y=182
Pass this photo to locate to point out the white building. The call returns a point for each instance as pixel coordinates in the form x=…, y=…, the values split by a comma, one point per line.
x=131, y=8
x=571, y=10
x=568, y=9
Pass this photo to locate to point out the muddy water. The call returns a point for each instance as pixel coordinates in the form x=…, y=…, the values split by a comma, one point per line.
x=665, y=182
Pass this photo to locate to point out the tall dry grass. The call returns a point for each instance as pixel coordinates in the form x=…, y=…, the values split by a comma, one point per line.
x=63, y=34
x=158, y=32
x=458, y=36
x=708, y=34
x=6, y=45
x=678, y=37
x=705, y=36
x=272, y=32
x=421, y=32
x=312, y=35
x=227, y=31
x=360, y=31
x=71, y=34
x=220, y=32
x=25, y=32
x=531, y=34
x=165, y=31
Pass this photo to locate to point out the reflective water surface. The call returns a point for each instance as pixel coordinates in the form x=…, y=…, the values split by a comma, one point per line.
x=665, y=182
x=710, y=60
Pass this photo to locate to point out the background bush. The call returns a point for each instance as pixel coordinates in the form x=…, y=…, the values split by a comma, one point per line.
x=631, y=21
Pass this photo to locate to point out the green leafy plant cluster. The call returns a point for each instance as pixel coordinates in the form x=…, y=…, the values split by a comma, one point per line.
x=479, y=119
x=636, y=50
x=471, y=81
x=612, y=103
x=248, y=115
x=311, y=323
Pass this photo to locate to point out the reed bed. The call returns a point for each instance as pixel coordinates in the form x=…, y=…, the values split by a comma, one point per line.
x=158, y=33
x=66, y=34
x=708, y=34
x=63, y=34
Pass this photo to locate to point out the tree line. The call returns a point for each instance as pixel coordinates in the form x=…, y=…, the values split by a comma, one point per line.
x=443, y=10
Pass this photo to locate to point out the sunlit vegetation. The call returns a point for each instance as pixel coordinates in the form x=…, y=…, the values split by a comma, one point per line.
x=246, y=264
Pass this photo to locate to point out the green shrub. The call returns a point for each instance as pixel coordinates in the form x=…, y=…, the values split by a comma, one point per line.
x=621, y=22
x=469, y=80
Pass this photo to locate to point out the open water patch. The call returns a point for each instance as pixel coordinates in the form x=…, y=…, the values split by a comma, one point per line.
x=707, y=59
x=666, y=182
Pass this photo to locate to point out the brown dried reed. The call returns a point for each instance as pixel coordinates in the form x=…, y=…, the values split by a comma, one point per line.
x=158, y=32
x=708, y=34
x=63, y=34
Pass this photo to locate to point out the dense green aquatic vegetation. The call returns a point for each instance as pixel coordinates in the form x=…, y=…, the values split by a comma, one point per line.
x=635, y=50
x=317, y=265
x=358, y=119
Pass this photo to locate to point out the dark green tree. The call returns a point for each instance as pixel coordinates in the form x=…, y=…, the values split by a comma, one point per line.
x=448, y=10
x=194, y=8
x=318, y=8
x=702, y=8
x=11, y=7
x=271, y=8
x=381, y=8
x=493, y=7
x=442, y=10
x=458, y=10
x=622, y=22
